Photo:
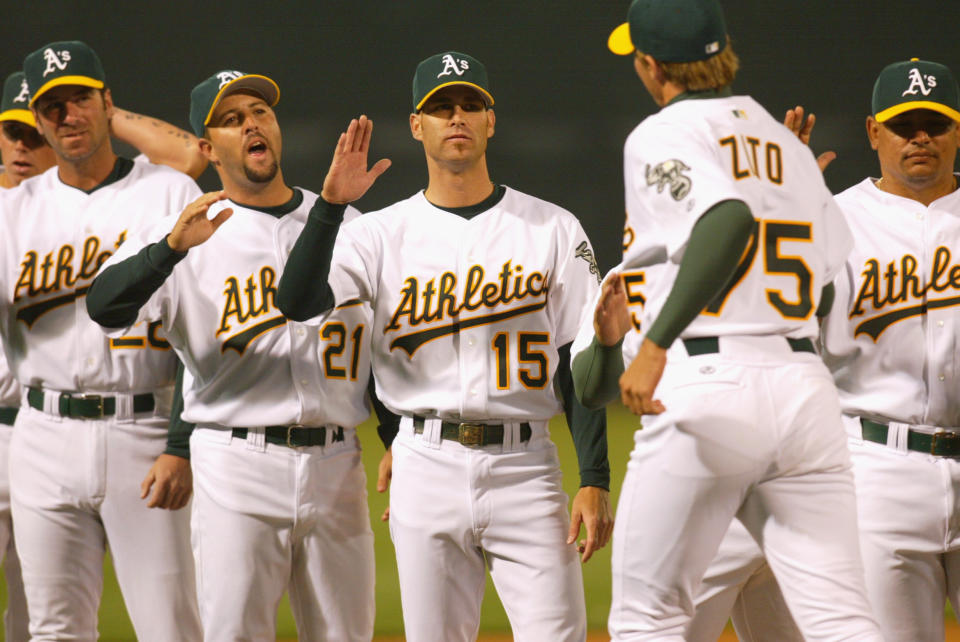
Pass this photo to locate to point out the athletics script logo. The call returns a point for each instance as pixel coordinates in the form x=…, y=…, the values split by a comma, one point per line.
x=226, y=77
x=453, y=66
x=24, y=94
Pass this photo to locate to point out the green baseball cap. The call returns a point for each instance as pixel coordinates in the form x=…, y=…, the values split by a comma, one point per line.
x=207, y=95
x=69, y=62
x=16, y=100
x=915, y=84
x=445, y=69
x=671, y=30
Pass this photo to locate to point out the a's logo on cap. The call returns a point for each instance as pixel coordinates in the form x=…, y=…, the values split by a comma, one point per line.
x=916, y=82
x=24, y=94
x=227, y=77
x=54, y=62
x=450, y=65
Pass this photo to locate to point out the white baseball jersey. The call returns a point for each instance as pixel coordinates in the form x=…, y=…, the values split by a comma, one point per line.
x=246, y=364
x=891, y=337
x=9, y=388
x=468, y=312
x=733, y=149
x=53, y=239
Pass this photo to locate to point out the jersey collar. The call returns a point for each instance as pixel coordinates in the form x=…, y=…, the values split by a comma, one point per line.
x=279, y=211
x=723, y=92
x=470, y=211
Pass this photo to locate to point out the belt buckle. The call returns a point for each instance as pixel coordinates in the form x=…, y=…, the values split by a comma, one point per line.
x=98, y=399
x=470, y=434
x=290, y=430
x=949, y=439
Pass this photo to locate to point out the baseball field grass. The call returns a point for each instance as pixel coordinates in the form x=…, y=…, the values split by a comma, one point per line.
x=115, y=625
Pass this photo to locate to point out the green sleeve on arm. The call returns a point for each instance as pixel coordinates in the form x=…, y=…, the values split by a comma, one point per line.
x=117, y=294
x=304, y=292
x=596, y=374
x=827, y=295
x=713, y=252
x=178, y=435
x=389, y=423
x=587, y=427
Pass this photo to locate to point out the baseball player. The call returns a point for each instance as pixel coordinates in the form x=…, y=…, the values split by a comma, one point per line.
x=743, y=419
x=476, y=291
x=93, y=417
x=280, y=488
x=899, y=406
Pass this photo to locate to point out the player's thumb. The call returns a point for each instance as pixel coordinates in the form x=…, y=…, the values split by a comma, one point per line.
x=146, y=484
x=380, y=167
x=574, y=527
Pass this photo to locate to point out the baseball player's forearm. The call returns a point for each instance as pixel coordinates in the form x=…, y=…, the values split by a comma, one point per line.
x=713, y=252
x=389, y=423
x=178, y=435
x=117, y=294
x=596, y=374
x=161, y=142
x=587, y=427
x=304, y=292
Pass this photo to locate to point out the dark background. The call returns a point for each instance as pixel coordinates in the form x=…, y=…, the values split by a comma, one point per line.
x=564, y=103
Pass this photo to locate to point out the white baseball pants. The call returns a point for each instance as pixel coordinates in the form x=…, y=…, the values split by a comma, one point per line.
x=456, y=511
x=268, y=518
x=15, y=619
x=909, y=534
x=753, y=432
x=75, y=489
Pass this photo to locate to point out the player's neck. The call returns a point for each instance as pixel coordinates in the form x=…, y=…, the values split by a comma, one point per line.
x=271, y=194
x=925, y=193
x=458, y=187
x=87, y=173
x=7, y=181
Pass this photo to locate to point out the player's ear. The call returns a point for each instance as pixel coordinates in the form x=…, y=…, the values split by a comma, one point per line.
x=108, y=102
x=873, y=132
x=491, y=121
x=207, y=150
x=415, y=128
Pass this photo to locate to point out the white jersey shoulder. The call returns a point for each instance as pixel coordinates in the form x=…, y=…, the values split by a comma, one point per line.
x=470, y=310
x=695, y=154
x=900, y=287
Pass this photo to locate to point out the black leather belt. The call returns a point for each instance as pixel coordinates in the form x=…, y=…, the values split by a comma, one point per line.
x=84, y=406
x=296, y=436
x=472, y=434
x=942, y=444
x=8, y=415
x=711, y=345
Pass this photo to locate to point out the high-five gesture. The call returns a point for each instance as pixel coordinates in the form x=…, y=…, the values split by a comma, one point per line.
x=793, y=120
x=193, y=227
x=348, y=178
x=611, y=317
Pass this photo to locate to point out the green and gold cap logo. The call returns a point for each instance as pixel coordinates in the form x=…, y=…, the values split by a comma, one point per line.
x=15, y=104
x=62, y=63
x=915, y=84
x=449, y=68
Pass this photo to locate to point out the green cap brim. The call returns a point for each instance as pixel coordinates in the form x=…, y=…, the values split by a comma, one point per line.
x=619, y=41
x=483, y=92
x=262, y=85
x=24, y=116
x=83, y=81
x=896, y=110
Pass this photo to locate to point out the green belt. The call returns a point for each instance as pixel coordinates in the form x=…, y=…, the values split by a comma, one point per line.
x=83, y=406
x=711, y=345
x=472, y=434
x=942, y=444
x=8, y=415
x=296, y=436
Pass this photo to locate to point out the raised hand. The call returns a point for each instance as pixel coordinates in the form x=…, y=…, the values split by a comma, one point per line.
x=611, y=318
x=193, y=227
x=348, y=178
x=793, y=120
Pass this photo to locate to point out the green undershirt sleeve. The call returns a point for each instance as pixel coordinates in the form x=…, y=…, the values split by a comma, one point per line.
x=714, y=250
x=178, y=436
x=118, y=292
x=827, y=295
x=304, y=291
x=588, y=428
x=596, y=374
x=388, y=423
